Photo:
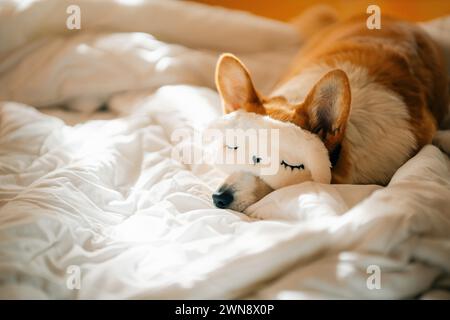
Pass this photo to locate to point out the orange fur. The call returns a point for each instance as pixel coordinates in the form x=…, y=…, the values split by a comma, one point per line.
x=399, y=56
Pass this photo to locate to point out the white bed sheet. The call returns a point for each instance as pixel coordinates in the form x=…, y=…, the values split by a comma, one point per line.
x=106, y=195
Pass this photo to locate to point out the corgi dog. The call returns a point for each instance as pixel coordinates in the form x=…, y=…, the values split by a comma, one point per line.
x=354, y=107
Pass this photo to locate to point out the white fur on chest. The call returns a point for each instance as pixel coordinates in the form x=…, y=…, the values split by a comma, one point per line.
x=379, y=135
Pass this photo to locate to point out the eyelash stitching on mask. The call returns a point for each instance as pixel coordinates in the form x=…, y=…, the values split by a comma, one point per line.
x=256, y=160
x=286, y=165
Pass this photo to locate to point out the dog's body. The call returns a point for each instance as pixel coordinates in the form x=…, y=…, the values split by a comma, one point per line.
x=398, y=93
x=374, y=97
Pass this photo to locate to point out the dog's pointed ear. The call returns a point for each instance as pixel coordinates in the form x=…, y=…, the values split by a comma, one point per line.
x=326, y=108
x=235, y=86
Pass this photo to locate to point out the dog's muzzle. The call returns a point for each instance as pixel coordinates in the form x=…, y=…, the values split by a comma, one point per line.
x=240, y=190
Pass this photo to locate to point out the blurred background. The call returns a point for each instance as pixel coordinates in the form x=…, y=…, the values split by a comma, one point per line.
x=412, y=10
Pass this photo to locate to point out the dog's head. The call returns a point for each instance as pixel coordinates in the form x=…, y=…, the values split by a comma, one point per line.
x=271, y=143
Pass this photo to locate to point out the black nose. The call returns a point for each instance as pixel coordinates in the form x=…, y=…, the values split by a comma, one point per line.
x=222, y=198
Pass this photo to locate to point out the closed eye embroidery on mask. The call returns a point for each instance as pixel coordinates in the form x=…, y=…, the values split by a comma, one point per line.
x=287, y=165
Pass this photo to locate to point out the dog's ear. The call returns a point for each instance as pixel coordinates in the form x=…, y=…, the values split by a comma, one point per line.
x=235, y=86
x=326, y=108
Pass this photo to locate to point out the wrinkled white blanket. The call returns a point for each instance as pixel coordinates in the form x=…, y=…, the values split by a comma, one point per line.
x=105, y=197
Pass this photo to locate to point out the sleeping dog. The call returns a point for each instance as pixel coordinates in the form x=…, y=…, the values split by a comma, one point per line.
x=361, y=102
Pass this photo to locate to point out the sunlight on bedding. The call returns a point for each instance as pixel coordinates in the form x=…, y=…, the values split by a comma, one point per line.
x=130, y=2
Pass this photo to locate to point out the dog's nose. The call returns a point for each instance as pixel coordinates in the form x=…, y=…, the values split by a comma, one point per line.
x=222, y=198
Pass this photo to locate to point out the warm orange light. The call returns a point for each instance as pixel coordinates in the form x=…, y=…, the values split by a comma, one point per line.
x=414, y=10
